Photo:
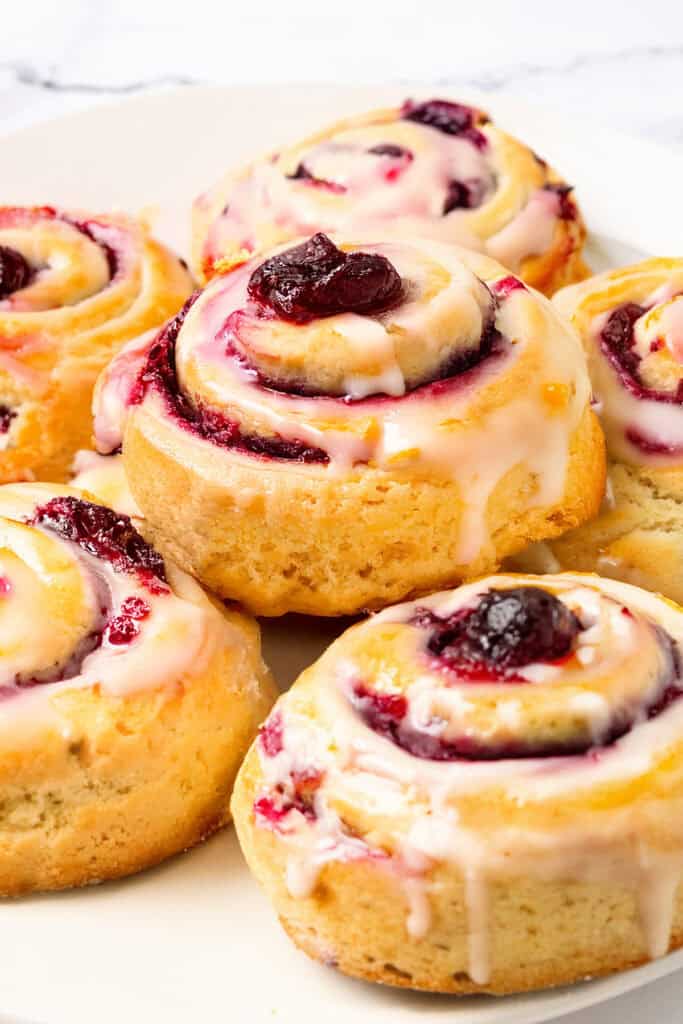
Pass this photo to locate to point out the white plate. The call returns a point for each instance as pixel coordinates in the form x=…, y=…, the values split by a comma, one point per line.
x=194, y=939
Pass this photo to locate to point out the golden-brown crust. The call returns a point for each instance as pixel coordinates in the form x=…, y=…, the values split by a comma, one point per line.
x=563, y=263
x=558, y=265
x=369, y=540
x=636, y=536
x=99, y=779
x=419, y=487
x=148, y=777
x=55, y=354
x=542, y=933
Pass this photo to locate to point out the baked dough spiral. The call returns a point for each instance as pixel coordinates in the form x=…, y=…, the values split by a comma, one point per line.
x=127, y=700
x=74, y=287
x=631, y=322
x=338, y=426
x=436, y=169
x=480, y=790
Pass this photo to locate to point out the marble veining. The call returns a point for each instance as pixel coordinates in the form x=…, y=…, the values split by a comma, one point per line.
x=614, y=61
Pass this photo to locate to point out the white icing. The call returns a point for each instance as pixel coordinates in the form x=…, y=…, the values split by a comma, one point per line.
x=266, y=205
x=176, y=639
x=452, y=431
x=367, y=770
x=658, y=338
x=530, y=233
x=112, y=396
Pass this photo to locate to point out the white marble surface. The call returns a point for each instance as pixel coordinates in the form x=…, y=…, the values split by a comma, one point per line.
x=619, y=59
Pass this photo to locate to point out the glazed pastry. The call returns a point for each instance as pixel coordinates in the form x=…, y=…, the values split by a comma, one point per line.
x=73, y=288
x=104, y=477
x=631, y=321
x=437, y=170
x=480, y=791
x=128, y=696
x=332, y=429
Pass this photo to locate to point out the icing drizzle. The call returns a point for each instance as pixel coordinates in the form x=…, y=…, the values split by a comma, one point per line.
x=557, y=813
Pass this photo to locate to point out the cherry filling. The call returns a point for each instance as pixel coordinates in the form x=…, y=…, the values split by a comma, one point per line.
x=302, y=173
x=617, y=341
x=6, y=417
x=504, y=631
x=124, y=628
x=91, y=229
x=159, y=373
x=56, y=673
x=296, y=795
x=455, y=366
x=391, y=149
x=447, y=117
x=567, y=206
x=271, y=735
x=618, y=338
x=105, y=534
x=316, y=279
x=398, y=159
x=210, y=424
x=15, y=271
x=464, y=195
x=506, y=286
x=487, y=644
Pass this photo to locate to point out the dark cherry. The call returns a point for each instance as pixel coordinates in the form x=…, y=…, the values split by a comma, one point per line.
x=568, y=209
x=445, y=116
x=618, y=343
x=391, y=149
x=302, y=173
x=135, y=608
x=124, y=627
x=505, y=630
x=617, y=335
x=463, y=195
x=101, y=532
x=316, y=279
x=122, y=630
x=15, y=271
x=6, y=417
x=521, y=617
x=159, y=372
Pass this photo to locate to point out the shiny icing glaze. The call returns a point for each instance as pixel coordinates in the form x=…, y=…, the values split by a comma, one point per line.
x=93, y=282
x=638, y=383
x=338, y=785
x=104, y=477
x=382, y=171
x=71, y=619
x=413, y=390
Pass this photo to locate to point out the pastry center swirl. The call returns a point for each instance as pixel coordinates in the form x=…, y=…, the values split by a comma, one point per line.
x=645, y=342
x=340, y=321
x=56, y=604
x=49, y=260
x=514, y=672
